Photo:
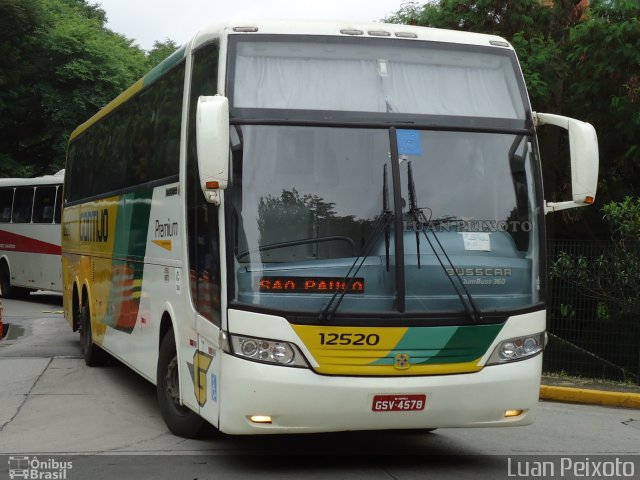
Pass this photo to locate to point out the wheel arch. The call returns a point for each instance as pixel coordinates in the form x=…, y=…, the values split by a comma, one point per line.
x=75, y=307
x=79, y=300
x=4, y=262
x=166, y=325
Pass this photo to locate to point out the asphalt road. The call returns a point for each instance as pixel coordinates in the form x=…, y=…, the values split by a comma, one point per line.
x=105, y=421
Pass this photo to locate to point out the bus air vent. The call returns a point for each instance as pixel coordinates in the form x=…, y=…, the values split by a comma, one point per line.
x=350, y=31
x=406, y=35
x=245, y=29
x=379, y=33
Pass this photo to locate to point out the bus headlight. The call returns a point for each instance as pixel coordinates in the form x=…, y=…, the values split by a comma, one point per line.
x=267, y=351
x=518, y=348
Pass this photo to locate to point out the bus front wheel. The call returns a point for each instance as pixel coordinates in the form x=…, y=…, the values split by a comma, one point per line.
x=180, y=420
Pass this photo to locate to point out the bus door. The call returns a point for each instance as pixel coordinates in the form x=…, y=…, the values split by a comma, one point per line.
x=205, y=291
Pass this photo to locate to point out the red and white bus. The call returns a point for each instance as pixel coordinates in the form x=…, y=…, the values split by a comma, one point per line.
x=30, y=234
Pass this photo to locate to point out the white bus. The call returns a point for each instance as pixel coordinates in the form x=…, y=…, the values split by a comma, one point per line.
x=30, y=249
x=306, y=227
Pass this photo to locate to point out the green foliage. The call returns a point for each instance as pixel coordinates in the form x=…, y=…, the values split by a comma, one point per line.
x=19, y=24
x=160, y=51
x=567, y=311
x=611, y=277
x=624, y=218
x=604, y=55
x=59, y=66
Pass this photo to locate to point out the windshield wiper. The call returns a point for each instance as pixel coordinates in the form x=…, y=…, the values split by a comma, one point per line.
x=382, y=225
x=421, y=221
x=385, y=208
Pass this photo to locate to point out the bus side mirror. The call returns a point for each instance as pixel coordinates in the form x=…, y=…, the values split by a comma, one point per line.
x=212, y=142
x=583, y=146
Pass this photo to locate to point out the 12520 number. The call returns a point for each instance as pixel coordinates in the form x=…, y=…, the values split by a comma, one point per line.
x=357, y=339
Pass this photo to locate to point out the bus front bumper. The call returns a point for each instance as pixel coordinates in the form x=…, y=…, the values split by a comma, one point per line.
x=301, y=401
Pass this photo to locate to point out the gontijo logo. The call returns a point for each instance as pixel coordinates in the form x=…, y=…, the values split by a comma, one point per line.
x=94, y=225
x=35, y=469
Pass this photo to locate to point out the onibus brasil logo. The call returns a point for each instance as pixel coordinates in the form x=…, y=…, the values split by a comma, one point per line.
x=35, y=469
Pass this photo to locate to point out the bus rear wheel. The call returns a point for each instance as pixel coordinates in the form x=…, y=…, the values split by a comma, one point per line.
x=180, y=420
x=93, y=355
x=5, y=282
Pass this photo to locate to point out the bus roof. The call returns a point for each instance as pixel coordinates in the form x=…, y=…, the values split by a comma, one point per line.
x=54, y=179
x=298, y=27
x=360, y=29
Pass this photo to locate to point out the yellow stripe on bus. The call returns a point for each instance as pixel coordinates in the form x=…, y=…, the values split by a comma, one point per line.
x=111, y=106
x=391, y=371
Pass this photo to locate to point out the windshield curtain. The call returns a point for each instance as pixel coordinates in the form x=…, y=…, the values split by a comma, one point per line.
x=375, y=76
x=307, y=201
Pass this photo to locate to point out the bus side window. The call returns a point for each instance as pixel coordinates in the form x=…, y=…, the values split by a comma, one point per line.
x=43, y=204
x=22, y=205
x=6, y=201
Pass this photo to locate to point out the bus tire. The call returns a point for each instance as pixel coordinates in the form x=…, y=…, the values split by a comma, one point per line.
x=179, y=419
x=5, y=281
x=6, y=289
x=93, y=355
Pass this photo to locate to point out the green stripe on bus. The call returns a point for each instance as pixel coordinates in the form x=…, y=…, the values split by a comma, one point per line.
x=129, y=250
x=442, y=345
x=164, y=66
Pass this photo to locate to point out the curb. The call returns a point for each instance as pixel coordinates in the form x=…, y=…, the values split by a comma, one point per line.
x=593, y=397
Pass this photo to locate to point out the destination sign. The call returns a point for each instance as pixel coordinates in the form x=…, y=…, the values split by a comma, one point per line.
x=311, y=285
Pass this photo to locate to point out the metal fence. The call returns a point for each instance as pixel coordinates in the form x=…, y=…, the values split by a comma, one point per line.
x=583, y=341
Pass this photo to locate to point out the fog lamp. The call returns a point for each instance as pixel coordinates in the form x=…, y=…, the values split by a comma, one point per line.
x=260, y=418
x=513, y=413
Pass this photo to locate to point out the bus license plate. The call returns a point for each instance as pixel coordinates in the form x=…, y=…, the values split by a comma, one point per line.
x=399, y=403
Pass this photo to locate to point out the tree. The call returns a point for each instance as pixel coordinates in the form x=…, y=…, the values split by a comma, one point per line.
x=19, y=22
x=160, y=51
x=62, y=66
x=603, y=53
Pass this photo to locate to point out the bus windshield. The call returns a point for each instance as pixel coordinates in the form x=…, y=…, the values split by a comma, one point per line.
x=305, y=201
